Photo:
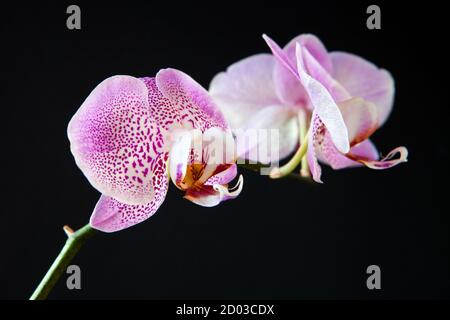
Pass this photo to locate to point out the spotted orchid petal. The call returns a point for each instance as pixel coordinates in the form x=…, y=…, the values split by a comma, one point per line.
x=316, y=131
x=111, y=215
x=365, y=80
x=192, y=106
x=110, y=140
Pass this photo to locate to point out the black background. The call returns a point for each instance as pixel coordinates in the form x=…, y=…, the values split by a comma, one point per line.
x=279, y=239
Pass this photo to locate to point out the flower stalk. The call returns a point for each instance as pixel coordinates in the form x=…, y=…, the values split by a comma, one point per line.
x=303, y=126
x=75, y=241
x=293, y=163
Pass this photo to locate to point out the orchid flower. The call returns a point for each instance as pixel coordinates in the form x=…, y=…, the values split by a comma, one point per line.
x=325, y=105
x=131, y=134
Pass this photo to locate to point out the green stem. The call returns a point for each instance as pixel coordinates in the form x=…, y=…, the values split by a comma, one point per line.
x=257, y=168
x=293, y=163
x=303, y=126
x=73, y=244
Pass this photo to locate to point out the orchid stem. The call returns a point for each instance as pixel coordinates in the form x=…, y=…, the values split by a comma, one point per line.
x=257, y=168
x=303, y=126
x=293, y=163
x=74, y=242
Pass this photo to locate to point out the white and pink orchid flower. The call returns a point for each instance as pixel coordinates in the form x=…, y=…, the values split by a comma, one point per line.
x=325, y=105
x=130, y=133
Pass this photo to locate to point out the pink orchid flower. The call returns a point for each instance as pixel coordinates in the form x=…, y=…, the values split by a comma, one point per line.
x=325, y=104
x=130, y=133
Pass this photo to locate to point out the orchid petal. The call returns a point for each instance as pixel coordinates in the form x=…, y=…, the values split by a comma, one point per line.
x=280, y=55
x=365, y=150
x=314, y=46
x=324, y=105
x=258, y=135
x=360, y=117
x=190, y=101
x=111, y=215
x=362, y=78
x=289, y=90
x=288, y=86
x=244, y=88
x=316, y=71
x=114, y=140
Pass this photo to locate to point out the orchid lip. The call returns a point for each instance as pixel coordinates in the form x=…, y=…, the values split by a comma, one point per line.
x=230, y=192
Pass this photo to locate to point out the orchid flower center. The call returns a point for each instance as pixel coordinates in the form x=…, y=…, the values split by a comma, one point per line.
x=198, y=173
x=193, y=174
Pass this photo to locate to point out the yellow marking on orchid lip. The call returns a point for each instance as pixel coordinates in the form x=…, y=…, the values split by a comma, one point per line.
x=193, y=172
